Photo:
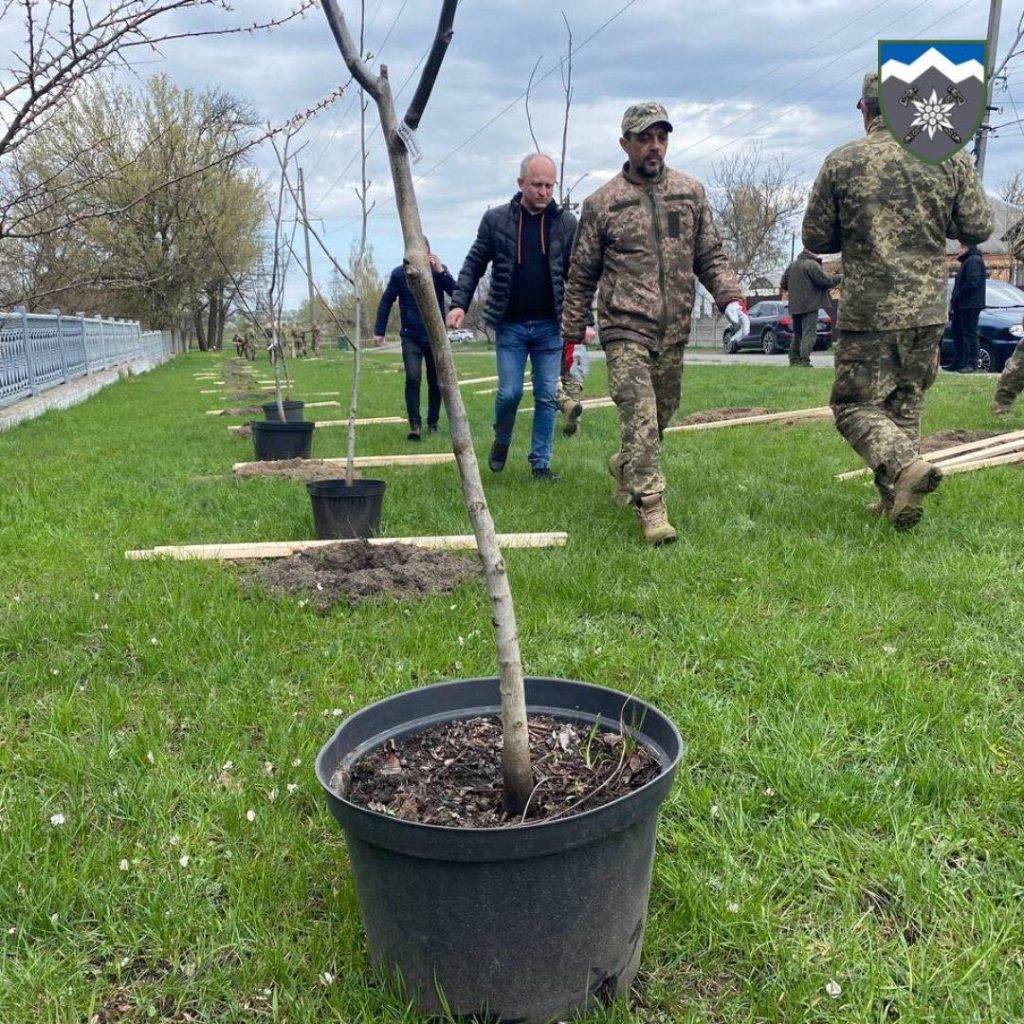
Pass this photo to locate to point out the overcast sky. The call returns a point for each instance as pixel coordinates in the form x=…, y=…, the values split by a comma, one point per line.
x=784, y=74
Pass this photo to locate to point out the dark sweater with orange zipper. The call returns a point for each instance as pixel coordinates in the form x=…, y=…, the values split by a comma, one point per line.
x=529, y=256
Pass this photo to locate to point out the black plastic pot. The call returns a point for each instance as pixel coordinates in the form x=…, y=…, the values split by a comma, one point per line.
x=528, y=923
x=341, y=512
x=276, y=440
x=292, y=411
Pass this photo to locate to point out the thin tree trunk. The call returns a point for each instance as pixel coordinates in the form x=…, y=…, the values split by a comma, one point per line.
x=516, y=769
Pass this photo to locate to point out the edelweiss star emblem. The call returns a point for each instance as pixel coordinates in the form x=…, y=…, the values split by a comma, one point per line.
x=931, y=115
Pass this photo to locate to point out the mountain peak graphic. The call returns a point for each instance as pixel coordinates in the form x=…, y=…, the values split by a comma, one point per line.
x=933, y=58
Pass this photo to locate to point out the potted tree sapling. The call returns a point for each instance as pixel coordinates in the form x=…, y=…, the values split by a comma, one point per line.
x=500, y=830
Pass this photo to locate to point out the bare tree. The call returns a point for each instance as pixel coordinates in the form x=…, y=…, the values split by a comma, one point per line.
x=517, y=772
x=754, y=201
x=526, y=105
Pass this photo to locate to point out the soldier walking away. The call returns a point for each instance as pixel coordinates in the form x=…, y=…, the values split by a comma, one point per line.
x=527, y=242
x=643, y=237
x=1011, y=382
x=889, y=214
x=415, y=344
x=807, y=286
x=966, y=304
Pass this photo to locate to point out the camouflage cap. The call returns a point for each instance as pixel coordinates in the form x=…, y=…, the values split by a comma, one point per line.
x=640, y=116
x=869, y=90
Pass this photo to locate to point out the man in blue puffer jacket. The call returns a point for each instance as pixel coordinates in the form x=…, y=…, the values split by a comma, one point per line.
x=415, y=344
x=528, y=243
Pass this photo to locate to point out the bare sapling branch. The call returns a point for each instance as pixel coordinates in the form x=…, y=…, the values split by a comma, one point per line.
x=517, y=771
x=526, y=105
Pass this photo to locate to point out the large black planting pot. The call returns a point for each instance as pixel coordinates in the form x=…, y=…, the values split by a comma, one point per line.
x=272, y=441
x=292, y=411
x=342, y=511
x=530, y=923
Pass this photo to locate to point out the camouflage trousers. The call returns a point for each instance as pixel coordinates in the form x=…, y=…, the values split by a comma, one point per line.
x=569, y=390
x=645, y=387
x=878, y=395
x=1011, y=380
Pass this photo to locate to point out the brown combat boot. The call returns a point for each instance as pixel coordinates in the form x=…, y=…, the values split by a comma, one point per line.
x=913, y=483
x=1001, y=409
x=622, y=494
x=653, y=516
x=572, y=411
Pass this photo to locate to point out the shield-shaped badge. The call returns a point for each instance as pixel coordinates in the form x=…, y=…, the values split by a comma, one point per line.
x=932, y=94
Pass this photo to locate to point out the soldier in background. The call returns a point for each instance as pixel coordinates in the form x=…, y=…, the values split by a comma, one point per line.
x=249, y=340
x=889, y=214
x=642, y=238
x=807, y=287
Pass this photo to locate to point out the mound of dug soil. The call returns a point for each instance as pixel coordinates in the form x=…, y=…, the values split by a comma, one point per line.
x=300, y=470
x=949, y=438
x=718, y=415
x=451, y=774
x=364, y=572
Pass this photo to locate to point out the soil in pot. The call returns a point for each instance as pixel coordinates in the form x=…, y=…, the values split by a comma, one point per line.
x=343, y=511
x=272, y=441
x=451, y=774
x=350, y=573
x=727, y=413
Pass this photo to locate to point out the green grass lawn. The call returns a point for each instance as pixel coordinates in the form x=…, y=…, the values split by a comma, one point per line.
x=849, y=809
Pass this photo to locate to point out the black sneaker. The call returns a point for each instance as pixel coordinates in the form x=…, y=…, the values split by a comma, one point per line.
x=543, y=473
x=414, y=434
x=432, y=428
x=499, y=453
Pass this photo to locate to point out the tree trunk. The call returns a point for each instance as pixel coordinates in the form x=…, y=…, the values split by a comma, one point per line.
x=518, y=774
x=197, y=322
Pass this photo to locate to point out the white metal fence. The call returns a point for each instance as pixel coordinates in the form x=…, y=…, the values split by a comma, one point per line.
x=41, y=350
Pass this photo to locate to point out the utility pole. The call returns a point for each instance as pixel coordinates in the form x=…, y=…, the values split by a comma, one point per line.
x=309, y=264
x=792, y=247
x=995, y=12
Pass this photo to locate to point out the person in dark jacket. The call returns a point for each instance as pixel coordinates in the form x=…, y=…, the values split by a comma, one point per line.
x=528, y=243
x=966, y=304
x=415, y=344
x=808, y=287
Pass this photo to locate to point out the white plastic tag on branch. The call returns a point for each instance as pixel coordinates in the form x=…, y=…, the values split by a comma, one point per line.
x=408, y=136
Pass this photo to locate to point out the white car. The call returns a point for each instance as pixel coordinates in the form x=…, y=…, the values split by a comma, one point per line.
x=462, y=335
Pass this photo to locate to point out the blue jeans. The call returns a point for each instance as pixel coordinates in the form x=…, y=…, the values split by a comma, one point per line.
x=542, y=342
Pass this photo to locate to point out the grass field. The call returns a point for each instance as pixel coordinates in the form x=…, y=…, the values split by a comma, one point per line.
x=844, y=842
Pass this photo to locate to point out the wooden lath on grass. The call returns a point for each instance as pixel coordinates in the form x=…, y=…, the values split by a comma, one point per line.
x=821, y=413
x=958, y=455
x=282, y=549
x=244, y=469
x=243, y=430
x=309, y=405
x=477, y=380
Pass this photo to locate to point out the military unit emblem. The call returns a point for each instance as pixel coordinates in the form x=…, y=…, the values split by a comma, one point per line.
x=932, y=93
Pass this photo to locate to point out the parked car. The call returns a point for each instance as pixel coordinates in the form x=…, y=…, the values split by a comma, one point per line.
x=771, y=330
x=999, y=326
x=461, y=335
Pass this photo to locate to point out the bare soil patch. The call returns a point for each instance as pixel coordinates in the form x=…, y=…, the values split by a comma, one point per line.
x=451, y=774
x=726, y=413
x=351, y=573
x=242, y=410
x=949, y=438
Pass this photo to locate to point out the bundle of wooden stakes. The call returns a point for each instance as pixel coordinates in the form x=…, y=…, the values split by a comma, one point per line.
x=999, y=450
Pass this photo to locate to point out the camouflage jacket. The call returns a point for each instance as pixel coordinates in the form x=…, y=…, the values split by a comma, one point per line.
x=643, y=242
x=889, y=214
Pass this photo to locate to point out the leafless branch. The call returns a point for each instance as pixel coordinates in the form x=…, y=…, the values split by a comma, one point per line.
x=526, y=104
x=442, y=37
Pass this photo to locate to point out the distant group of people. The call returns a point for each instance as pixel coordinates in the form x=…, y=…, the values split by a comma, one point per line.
x=296, y=341
x=641, y=241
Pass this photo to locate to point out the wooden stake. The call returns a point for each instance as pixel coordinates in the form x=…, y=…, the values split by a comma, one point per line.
x=491, y=391
x=309, y=405
x=978, y=447
x=243, y=430
x=1000, y=460
x=477, y=380
x=1006, y=448
x=242, y=469
x=282, y=549
x=822, y=413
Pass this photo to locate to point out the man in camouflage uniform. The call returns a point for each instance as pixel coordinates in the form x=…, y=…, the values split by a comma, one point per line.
x=889, y=214
x=1011, y=380
x=249, y=342
x=642, y=238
